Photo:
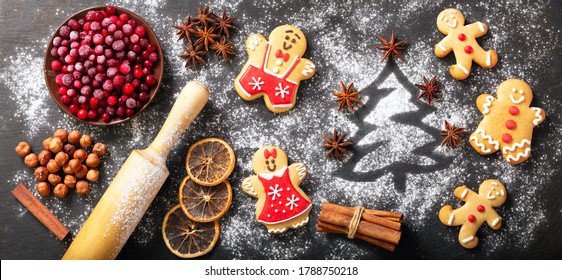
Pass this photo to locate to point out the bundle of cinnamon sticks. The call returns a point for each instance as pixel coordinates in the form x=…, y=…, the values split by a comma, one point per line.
x=380, y=228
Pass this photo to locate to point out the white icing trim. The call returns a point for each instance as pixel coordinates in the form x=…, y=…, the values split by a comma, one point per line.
x=487, y=105
x=441, y=16
x=481, y=26
x=502, y=193
x=487, y=137
x=488, y=58
x=274, y=230
x=452, y=24
x=442, y=47
x=490, y=196
x=462, y=68
x=494, y=183
x=450, y=222
x=278, y=222
x=468, y=239
x=298, y=225
x=516, y=145
x=254, y=41
x=452, y=11
x=538, y=117
x=247, y=185
x=308, y=68
x=519, y=155
x=281, y=75
x=516, y=101
x=463, y=194
x=269, y=176
x=279, y=62
x=301, y=169
x=495, y=222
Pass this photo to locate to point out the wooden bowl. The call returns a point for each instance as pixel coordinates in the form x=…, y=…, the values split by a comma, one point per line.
x=157, y=69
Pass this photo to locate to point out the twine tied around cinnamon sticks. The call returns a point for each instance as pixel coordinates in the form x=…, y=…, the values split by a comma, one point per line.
x=381, y=228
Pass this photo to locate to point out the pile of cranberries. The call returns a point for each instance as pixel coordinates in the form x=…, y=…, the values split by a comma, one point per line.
x=105, y=62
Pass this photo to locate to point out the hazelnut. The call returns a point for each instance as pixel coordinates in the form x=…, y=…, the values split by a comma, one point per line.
x=47, y=142
x=55, y=145
x=86, y=141
x=72, y=166
x=100, y=149
x=93, y=160
x=70, y=181
x=54, y=179
x=73, y=137
x=61, y=190
x=81, y=173
x=61, y=134
x=23, y=149
x=41, y=174
x=43, y=189
x=52, y=166
x=80, y=155
x=44, y=157
x=92, y=175
x=61, y=158
x=82, y=187
x=31, y=160
x=69, y=149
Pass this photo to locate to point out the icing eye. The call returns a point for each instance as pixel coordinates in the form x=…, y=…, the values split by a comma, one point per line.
x=272, y=161
x=514, y=90
x=452, y=16
x=293, y=41
x=267, y=162
x=287, y=37
x=521, y=91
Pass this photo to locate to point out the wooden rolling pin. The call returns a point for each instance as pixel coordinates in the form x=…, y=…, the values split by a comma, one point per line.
x=136, y=184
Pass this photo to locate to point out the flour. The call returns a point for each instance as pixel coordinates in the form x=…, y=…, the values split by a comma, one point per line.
x=410, y=157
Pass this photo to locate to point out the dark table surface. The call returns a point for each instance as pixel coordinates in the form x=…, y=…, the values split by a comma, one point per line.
x=396, y=163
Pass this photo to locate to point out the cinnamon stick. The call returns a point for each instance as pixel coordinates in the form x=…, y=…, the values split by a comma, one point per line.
x=366, y=228
x=367, y=215
x=40, y=211
x=329, y=228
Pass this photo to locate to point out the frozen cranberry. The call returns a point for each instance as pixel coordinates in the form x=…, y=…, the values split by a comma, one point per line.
x=92, y=71
x=95, y=26
x=108, y=85
x=97, y=39
x=150, y=80
x=110, y=110
x=120, y=111
x=131, y=56
x=147, y=63
x=73, y=53
x=145, y=54
x=76, y=75
x=140, y=31
x=153, y=57
x=112, y=62
x=143, y=87
x=65, y=99
x=110, y=10
x=130, y=112
x=123, y=17
x=77, y=84
x=55, y=52
x=73, y=24
x=62, y=51
x=86, y=26
x=73, y=109
x=109, y=40
x=108, y=53
x=92, y=114
x=74, y=36
x=100, y=68
x=69, y=59
x=136, y=47
x=86, y=80
x=67, y=80
x=132, y=23
x=128, y=88
x=71, y=92
x=64, y=31
x=82, y=114
x=98, y=93
x=96, y=84
x=143, y=97
x=79, y=66
x=112, y=100
x=100, y=59
x=86, y=90
x=98, y=50
x=56, y=65
x=137, y=73
x=131, y=103
x=111, y=72
x=124, y=68
x=105, y=22
x=118, y=81
x=106, y=117
x=118, y=45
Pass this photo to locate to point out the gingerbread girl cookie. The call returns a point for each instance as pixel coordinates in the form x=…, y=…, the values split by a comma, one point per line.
x=275, y=68
x=281, y=202
x=478, y=208
x=508, y=122
x=461, y=40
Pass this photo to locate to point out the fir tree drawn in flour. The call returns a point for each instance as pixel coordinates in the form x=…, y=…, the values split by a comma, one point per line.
x=391, y=137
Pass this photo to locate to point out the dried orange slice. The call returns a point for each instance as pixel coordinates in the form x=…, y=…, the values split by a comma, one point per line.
x=210, y=161
x=204, y=204
x=186, y=238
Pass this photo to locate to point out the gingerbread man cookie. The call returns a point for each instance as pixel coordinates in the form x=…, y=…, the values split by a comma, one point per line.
x=461, y=40
x=508, y=122
x=478, y=208
x=275, y=68
x=281, y=202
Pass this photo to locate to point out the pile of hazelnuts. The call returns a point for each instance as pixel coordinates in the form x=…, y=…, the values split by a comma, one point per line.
x=64, y=155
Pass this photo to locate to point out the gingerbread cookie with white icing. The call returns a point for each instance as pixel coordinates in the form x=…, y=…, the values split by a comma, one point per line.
x=508, y=122
x=478, y=208
x=281, y=204
x=461, y=40
x=275, y=68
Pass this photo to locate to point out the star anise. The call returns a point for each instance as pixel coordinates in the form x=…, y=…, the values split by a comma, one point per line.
x=347, y=97
x=205, y=36
x=204, y=17
x=336, y=146
x=429, y=89
x=391, y=48
x=183, y=30
x=193, y=55
x=224, y=24
x=452, y=135
x=223, y=48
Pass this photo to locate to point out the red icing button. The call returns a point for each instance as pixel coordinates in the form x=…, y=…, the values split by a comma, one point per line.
x=513, y=110
x=471, y=218
x=468, y=49
x=462, y=37
x=480, y=208
x=510, y=124
x=506, y=138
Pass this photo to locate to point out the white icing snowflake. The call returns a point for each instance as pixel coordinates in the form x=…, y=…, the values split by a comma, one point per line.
x=257, y=83
x=281, y=90
x=275, y=191
x=292, y=202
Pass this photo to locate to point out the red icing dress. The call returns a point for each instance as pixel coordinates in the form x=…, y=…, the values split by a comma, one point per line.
x=282, y=202
x=279, y=89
